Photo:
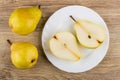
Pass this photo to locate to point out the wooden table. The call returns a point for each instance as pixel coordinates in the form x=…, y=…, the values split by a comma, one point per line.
x=108, y=69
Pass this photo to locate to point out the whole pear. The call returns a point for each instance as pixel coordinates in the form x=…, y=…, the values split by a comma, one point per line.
x=24, y=55
x=23, y=21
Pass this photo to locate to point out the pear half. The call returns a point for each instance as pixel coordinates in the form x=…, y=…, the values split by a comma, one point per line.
x=64, y=45
x=89, y=34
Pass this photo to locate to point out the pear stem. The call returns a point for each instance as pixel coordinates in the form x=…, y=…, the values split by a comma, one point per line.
x=73, y=18
x=9, y=42
x=39, y=6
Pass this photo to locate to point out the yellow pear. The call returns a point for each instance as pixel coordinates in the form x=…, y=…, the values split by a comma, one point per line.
x=23, y=55
x=23, y=21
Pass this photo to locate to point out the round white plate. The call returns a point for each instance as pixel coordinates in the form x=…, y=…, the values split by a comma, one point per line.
x=60, y=21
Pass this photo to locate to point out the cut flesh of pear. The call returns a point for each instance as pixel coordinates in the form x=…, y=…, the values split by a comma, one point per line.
x=89, y=34
x=64, y=45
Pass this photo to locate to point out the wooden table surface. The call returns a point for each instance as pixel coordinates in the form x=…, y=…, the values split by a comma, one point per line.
x=108, y=69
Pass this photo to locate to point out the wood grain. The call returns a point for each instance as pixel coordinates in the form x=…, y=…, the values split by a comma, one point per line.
x=108, y=69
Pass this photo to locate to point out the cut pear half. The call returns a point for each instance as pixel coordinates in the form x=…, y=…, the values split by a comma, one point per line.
x=64, y=45
x=89, y=34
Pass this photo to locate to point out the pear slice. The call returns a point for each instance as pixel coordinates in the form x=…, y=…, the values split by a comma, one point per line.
x=64, y=45
x=89, y=34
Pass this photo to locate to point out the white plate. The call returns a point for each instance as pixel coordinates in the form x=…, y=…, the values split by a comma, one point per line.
x=60, y=21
